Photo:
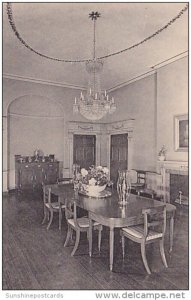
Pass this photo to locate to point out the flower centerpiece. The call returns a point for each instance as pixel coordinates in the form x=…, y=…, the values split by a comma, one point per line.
x=94, y=180
x=162, y=153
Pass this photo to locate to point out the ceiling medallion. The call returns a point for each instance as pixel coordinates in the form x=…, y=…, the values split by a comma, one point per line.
x=94, y=105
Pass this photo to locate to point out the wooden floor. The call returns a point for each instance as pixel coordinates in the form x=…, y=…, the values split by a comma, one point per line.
x=34, y=258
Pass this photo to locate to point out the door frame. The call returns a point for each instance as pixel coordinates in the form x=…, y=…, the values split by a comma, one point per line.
x=82, y=128
x=122, y=127
x=129, y=152
x=99, y=130
x=127, y=148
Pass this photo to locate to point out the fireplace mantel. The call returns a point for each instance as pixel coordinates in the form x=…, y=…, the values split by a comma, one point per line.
x=167, y=167
x=173, y=165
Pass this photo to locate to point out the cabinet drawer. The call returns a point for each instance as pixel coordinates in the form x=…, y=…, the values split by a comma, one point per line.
x=52, y=165
x=33, y=175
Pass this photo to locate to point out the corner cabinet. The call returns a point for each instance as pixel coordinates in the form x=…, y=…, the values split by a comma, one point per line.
x=33, y=175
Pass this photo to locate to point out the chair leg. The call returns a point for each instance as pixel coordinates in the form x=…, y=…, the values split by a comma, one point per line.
x=99, y=238
x=123, y=245
x=163, y=253
x=71, y=235
x=45, y=215
x=76, y=242
x=68, y=236
x=144, y=258
x=51, y=218
x=60, y=218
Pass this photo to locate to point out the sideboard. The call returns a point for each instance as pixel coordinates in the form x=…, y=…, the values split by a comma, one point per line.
x=33, y=175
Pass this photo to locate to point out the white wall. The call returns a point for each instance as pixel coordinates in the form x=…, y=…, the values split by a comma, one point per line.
x=152, y=103
x=172, y=99
x=34, y=122
x=137, y=101
x=22, y=134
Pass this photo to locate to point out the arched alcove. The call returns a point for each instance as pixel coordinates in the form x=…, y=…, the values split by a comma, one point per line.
x=34, y=122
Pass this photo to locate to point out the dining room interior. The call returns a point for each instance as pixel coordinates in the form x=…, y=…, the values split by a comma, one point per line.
x=95, y=191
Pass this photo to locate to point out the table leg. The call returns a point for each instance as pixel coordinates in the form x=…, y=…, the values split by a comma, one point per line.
x=111, y=246
x=60, y=218
x=90, y=236
x=60, y=213
x=171, y=232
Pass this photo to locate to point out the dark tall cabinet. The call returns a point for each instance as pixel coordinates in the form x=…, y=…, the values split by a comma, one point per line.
x=33, y=175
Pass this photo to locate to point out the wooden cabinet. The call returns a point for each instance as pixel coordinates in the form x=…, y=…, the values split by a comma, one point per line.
x=51, y=172
x=33, y=175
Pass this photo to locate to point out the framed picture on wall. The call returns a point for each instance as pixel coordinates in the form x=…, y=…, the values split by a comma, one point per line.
x=181, y=132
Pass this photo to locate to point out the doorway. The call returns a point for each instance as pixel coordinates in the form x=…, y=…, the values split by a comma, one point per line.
x=84, y=150
x=118, y=155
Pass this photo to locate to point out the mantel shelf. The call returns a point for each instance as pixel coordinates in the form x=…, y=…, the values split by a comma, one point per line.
x=178, y=162
x=173, y=164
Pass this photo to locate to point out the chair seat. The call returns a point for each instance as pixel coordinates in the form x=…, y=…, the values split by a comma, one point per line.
x=82, y=222
x=138, y=232
x=137, y=185
x=54, y=205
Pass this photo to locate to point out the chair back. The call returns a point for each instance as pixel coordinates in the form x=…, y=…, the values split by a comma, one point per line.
x=76, y=169
x=64, y=181
x=46, y=194
x=154, y=217
x=71, y=211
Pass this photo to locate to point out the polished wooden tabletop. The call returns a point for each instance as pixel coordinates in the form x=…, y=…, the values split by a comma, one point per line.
x=109, y=212
x=108, y=207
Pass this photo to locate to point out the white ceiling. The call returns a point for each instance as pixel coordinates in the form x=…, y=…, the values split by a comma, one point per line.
x=64, y=30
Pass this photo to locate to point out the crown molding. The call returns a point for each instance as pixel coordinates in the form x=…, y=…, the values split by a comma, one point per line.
x=42, y=81
x=170, y=60
x=153, y=69
x=120, y=85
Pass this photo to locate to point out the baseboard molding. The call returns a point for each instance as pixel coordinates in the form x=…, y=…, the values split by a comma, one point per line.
x=10, y=191
x=5, y=193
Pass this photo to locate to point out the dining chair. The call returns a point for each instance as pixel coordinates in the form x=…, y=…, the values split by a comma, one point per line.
x=152, y=230
x=64, y=180
x=138, y=183
x=144, y=186
x=78, y=225
x=50, y=207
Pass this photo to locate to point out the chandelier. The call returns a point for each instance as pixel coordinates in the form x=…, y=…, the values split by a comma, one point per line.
x=94, y=105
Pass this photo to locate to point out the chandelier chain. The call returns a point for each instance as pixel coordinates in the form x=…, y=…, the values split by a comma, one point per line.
x=94, y=17
x=94, y=50
x=94, y=105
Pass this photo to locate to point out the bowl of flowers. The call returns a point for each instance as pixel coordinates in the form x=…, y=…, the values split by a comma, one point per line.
x=94, y=180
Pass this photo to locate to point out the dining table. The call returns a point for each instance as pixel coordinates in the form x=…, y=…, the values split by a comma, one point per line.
x=109, y=212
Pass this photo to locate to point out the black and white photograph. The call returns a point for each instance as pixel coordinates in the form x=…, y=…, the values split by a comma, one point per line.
x=95, y=144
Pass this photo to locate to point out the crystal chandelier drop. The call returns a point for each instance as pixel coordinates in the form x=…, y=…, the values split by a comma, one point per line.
x=94, y=105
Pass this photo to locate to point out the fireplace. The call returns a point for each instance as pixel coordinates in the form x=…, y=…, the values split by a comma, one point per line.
x=174, y=181
x=178, y=188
